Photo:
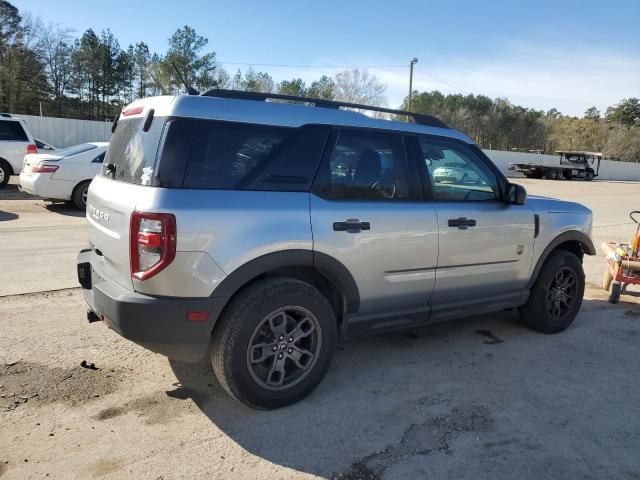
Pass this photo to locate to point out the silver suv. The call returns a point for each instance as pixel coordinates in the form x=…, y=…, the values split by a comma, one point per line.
x=274, y=230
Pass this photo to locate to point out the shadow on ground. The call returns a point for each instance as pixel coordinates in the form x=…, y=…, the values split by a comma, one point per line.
x=8, y=216
x=472, y=388
x=66, y=209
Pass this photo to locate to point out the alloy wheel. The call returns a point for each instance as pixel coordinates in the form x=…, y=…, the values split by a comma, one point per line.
x=284, y=347
x=562, y=292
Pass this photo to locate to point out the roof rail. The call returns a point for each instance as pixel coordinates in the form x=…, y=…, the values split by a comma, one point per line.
x=5, y=115
x=418, y=118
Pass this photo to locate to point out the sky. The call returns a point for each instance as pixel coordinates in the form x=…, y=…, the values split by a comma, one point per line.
x=564, y=54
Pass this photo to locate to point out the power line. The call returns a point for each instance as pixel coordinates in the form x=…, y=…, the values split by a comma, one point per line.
x=442, y=81
x=308, y=66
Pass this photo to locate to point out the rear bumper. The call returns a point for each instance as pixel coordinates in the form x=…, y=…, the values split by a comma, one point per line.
x=157, y=323
x=42, y=185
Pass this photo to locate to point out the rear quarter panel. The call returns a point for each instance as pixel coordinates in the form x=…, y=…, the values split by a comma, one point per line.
x=221, y=230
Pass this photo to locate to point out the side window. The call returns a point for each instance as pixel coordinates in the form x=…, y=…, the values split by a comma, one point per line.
x=12, y=130
x=238, y=156
x=99, y=158
x=365, y=165
x=456, y=173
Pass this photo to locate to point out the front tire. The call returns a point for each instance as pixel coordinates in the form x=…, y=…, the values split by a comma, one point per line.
x=274, y=343
x=556, y=296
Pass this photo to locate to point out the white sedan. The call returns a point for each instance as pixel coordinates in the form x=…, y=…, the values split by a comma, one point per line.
x=65, y=174
x=455, y=173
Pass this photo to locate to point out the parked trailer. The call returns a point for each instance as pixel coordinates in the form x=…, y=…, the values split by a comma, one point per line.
x=572, y=165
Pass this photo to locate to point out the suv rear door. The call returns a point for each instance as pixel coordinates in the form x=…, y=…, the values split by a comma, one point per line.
x=367, y=213
x=484, y=244
x=115, y=193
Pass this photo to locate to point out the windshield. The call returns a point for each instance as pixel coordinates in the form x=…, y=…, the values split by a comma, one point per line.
x=76, y=149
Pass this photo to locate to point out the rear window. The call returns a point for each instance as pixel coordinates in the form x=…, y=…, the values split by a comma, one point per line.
x=206, y=154
x=75, y=150
x=12, y=130
x=125, y=160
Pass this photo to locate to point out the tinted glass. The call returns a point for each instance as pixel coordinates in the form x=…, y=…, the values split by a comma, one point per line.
x=75, y=150
x=99, y=158
x=456, y=172
x=366, y=165
x=125, y=156
x=12, y=130
x=225, y=155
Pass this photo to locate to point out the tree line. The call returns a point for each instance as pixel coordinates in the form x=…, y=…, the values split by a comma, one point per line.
x=46, y=68
x=497, y=124
x=49, y=69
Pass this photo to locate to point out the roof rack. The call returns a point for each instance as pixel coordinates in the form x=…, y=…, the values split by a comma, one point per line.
x=5, y=115
x=418, y=118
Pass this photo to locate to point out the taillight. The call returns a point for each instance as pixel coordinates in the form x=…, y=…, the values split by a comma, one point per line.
x=152, y=243
x=44, y=168
x=31, y=148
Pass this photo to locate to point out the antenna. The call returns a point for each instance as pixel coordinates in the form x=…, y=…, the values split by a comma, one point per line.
x=190, y=90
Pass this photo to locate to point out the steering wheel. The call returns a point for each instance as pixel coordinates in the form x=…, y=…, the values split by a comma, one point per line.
x=376, y=186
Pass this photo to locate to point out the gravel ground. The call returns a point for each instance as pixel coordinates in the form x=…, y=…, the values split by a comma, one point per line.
x=477, y=398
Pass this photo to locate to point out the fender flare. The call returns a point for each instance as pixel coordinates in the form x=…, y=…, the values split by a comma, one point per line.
x=572, y=235
x=326, y=265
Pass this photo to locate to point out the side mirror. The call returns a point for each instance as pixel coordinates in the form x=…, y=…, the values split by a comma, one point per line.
x=516, y=194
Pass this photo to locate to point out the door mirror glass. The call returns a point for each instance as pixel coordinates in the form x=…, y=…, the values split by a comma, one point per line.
x=516, y=194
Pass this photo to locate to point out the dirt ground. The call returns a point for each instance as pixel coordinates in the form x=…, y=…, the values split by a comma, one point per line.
x=477, y=398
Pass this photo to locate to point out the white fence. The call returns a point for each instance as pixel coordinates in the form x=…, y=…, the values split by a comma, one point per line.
x=65, y=132
x=609, y=170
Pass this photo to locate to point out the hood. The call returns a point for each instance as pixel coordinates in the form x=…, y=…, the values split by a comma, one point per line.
x=553, y=205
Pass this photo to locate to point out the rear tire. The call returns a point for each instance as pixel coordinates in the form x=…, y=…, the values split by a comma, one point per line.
x=556, y=296
x=550, y=174
x=273, y=313
x=79, y=196
x=5, y=173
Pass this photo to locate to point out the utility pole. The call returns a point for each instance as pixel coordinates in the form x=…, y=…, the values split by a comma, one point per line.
x=411, y=64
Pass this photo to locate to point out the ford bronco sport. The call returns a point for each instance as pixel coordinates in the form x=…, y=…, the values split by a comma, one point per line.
x=271, y=231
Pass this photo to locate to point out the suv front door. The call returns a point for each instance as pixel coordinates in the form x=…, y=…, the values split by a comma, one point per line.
x=367, y=213
x=484, y=244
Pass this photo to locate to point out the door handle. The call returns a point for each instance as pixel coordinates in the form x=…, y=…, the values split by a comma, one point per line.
x=351, y=224
x=462, y=222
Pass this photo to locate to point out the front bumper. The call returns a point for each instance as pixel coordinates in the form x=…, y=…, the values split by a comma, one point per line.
x=157, y=323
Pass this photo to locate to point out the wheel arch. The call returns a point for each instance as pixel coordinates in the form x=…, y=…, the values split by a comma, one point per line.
x=573, y=241
x=86, y=180
x=322, y=271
